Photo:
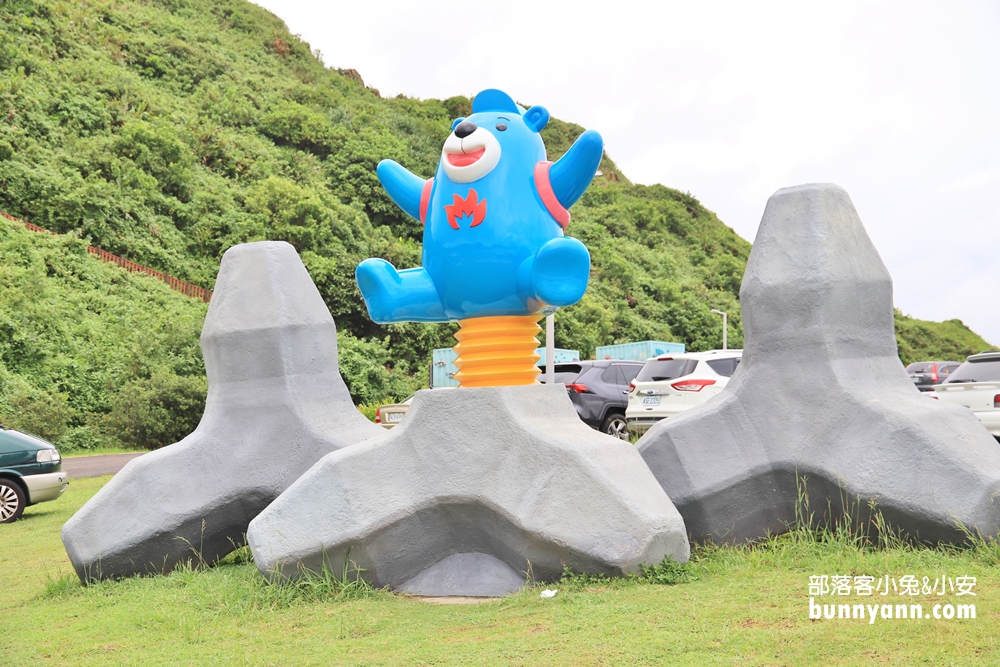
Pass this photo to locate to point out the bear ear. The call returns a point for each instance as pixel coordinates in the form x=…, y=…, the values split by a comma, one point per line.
x=455, y=124
x=536, y=118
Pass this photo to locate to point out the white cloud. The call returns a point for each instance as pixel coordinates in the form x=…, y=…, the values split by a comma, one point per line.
x=895, y=101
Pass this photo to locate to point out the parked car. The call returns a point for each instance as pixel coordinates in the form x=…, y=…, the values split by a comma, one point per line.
x=598, y=391
x=926, y=374
x=671, y=383
x=976, y=385
x=30, y=472
x=387, y=416
x=391, y=414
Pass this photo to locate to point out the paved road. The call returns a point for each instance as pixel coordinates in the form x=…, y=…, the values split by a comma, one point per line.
x=96, y=466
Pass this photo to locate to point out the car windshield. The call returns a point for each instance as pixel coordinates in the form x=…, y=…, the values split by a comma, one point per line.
x=922, y=367
x=665, y=369
x=987, y=370
x=564, y=373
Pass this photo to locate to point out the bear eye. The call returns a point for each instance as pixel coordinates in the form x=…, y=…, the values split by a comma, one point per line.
x=501, y=126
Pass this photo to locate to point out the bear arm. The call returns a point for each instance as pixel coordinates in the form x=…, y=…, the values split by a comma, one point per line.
x=571, y=174
x=403, y=187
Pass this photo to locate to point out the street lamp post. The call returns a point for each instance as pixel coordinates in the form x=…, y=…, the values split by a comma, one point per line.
x=550, y=349
x=725, y=327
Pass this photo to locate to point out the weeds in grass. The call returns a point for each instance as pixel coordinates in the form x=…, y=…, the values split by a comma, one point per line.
x=984, y=549
x=581, y=579
x=852, y=523
x=233, y=585
x=199, y=563
x=529, y=576
x=256, y=592
x=327, y=585
x=61, y=585
x=667, y=573
x=240, y=555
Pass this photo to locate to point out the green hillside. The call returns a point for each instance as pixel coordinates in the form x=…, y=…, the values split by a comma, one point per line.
x=88, y=349
x=92, y=355
x=167, y=131
x=951, y=340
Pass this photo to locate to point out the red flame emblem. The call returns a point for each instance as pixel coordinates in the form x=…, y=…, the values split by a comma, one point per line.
x=463, y=207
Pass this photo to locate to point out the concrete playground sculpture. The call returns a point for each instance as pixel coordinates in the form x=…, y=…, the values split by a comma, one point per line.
x=821, y=394
x=276, y=404
x=483, y=486
x=473, y=492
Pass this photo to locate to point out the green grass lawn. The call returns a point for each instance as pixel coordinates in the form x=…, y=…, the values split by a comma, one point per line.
x=738, y=607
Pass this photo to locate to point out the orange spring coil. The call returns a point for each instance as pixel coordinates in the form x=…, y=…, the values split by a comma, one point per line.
x=497, y=351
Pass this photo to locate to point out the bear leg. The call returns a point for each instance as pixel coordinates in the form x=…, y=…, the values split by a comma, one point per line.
x=557, y=275
x=398, y=296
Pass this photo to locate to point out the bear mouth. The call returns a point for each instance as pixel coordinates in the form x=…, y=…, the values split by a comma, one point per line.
x=465, y=159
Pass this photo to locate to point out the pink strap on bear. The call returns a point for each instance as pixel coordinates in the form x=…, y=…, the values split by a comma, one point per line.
x=544, y=187
x=425, y=199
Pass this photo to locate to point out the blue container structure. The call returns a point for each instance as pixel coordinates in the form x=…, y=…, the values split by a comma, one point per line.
x=443, y=367
x=562, y=356
x=638, y=351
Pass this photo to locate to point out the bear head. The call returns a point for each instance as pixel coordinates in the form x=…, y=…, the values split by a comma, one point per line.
x=497, y=127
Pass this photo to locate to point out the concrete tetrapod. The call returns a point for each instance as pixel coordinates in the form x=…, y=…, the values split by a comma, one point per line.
x=476, y=490
x=822, y=395
x=276, y=405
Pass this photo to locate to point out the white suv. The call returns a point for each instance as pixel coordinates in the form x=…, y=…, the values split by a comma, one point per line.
x=672, y=383
x=976, y=385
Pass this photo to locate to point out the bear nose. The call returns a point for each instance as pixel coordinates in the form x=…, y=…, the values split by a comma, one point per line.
x=465, y=128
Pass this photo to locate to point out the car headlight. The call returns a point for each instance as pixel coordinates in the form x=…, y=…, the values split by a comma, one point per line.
x=48, y=456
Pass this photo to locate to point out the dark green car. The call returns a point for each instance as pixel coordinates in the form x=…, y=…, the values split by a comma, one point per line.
x=30, y=472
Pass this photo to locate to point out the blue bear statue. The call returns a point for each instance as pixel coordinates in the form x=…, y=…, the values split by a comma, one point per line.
x=493, y=218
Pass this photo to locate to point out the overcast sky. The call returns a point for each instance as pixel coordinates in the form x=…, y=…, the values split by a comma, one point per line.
x=898, y=102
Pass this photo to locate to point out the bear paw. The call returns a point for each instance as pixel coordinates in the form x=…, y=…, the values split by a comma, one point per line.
x=398, y=296
x=558, y=273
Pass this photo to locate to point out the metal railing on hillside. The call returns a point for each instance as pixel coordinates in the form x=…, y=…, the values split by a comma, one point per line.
x=130, y=266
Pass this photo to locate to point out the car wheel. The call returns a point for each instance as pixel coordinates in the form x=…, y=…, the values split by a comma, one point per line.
x=11, y=501
x=615, y=426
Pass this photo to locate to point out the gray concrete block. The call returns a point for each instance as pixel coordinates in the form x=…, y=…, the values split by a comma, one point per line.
x=466, y=575
x=471, y=477
x=276, y=405
x=821, y=394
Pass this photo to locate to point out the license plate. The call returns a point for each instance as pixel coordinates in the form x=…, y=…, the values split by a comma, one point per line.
x=395, y=416
x=651, y=400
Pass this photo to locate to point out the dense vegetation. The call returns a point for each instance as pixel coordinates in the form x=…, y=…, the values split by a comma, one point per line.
x=88, y=349
x=166, y=131
x=91, y=355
